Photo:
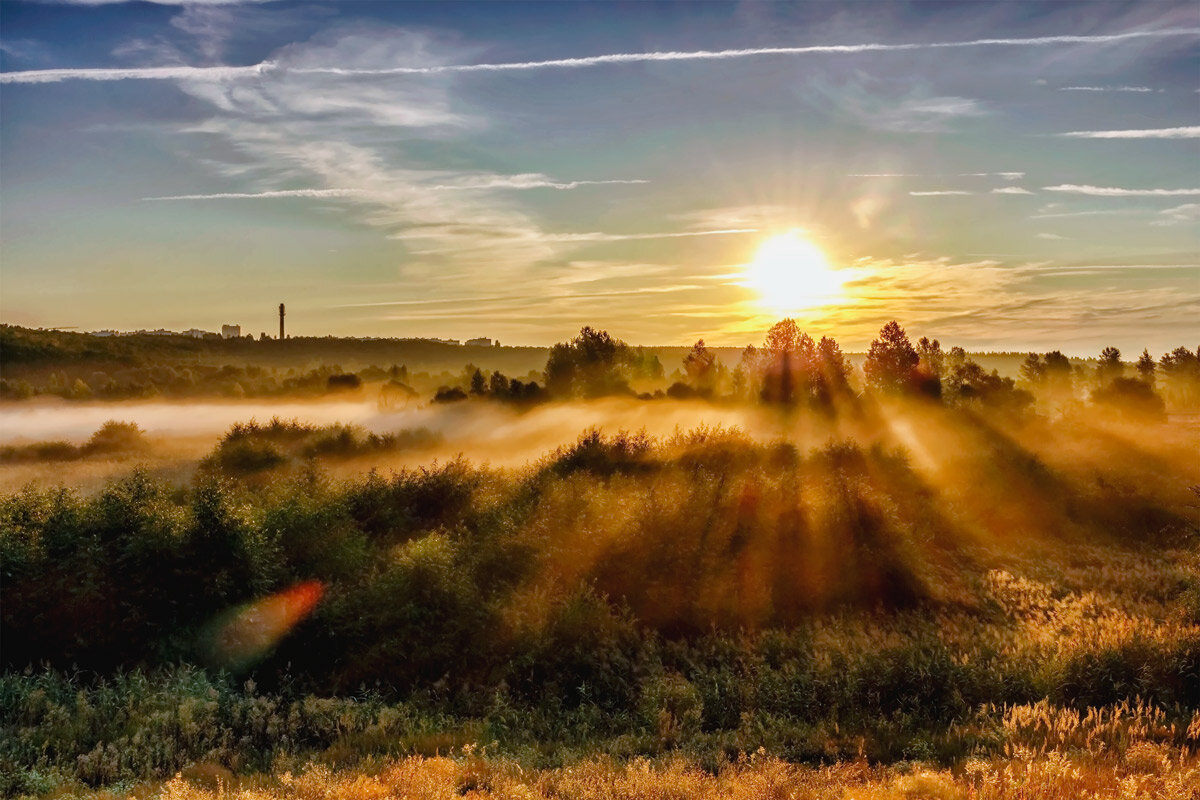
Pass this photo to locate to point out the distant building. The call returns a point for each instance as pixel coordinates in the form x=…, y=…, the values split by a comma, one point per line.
x=106, y=333
x=480, y=342
x=231, y=331
x=446, y=341
x=196, y=333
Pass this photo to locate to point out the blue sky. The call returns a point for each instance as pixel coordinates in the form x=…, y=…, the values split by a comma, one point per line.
x=1001, y=176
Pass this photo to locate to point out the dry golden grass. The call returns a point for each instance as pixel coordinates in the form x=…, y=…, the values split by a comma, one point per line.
x=1142, y=770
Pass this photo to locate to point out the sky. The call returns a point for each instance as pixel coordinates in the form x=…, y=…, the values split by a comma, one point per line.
x=1000, y=176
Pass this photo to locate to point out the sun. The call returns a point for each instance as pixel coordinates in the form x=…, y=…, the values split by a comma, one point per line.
x=792, y=274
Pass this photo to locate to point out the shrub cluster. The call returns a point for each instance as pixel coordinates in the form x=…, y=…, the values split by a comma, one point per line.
x=253, y=447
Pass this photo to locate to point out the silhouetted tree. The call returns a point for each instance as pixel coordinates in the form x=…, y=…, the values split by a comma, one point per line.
x=891, y=360
x=345, y=382
x=1180, y=371
x=449, y=394
x=968, y=382
x=1057, y=365
x=1130, y=397
x=644, y=364
x=931, y=356
x=1109, y=366
x=746, y=374
x=498, y=385
x=701, y=367
x=790, y=356
x=1033, y=371
x=834, y=367
x=478, y=382
x=1145, y=367
x=592, y=364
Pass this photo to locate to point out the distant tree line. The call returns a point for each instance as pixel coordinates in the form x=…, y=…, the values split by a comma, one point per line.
x=790, y=368
x=793, y=369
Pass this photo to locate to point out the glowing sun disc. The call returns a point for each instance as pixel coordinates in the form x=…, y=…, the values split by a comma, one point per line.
x=792, y=274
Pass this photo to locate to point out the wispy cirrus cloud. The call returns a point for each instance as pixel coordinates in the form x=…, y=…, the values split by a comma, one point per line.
x=590, y=236
x=1136, y=89
x=1047, y=213
x=1011, y=190
x=154, y=2
x=314, y=194
x=1008, y=176
x=470, y=183
x=1187, y=132
x=1179, y=215
x=221, y=73
x=940, y=193
x=1112, y=191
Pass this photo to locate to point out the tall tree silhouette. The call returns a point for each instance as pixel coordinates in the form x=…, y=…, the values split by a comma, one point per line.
x=891, y=360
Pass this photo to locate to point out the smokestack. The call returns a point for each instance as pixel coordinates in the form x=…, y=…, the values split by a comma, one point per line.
x=281, y=322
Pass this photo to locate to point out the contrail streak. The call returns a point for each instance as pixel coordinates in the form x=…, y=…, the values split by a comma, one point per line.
x=267, y=67
x=310, y=193
x=500, y=182
x=1113, y=191
x=1190, y=132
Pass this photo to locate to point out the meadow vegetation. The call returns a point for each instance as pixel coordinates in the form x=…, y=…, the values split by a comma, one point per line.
x=930, y=581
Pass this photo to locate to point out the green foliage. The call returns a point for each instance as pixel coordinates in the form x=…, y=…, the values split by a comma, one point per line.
x=593, y=364
x=252, y=447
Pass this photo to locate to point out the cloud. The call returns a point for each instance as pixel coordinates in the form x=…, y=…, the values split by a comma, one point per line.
x=470, y=183
x=1051, y=236
x=760, y=216
x=1090, y=213
x=155, y=2
x=940, y=193
x=155, y=73
x=1102, y=267
x=1140, y=89
x=302, y=193
x=1011, y=190
x=915, y=112
x=1107, y=191
x=1189, y=132
x=177, y=73
x=1179, y=215
x=1008, y=176
x=593, y=236
x=530, y=181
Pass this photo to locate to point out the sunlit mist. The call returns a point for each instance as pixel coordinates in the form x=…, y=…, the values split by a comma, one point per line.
x=791, y=274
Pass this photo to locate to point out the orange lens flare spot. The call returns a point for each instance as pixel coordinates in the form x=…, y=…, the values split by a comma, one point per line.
x=249, y=632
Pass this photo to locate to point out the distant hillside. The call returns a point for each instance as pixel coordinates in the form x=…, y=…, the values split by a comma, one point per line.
x=23, y=349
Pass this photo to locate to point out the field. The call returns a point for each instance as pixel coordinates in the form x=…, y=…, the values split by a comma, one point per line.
x=824, y=588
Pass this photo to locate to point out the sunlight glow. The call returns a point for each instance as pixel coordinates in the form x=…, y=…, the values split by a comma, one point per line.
x=792, y=274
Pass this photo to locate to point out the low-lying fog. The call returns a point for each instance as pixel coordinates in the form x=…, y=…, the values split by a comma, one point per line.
x=484, y=430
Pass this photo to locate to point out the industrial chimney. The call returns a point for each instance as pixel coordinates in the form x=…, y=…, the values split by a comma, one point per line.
x=281, y=322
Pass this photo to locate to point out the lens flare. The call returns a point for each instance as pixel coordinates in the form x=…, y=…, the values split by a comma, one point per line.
x=238, y=638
